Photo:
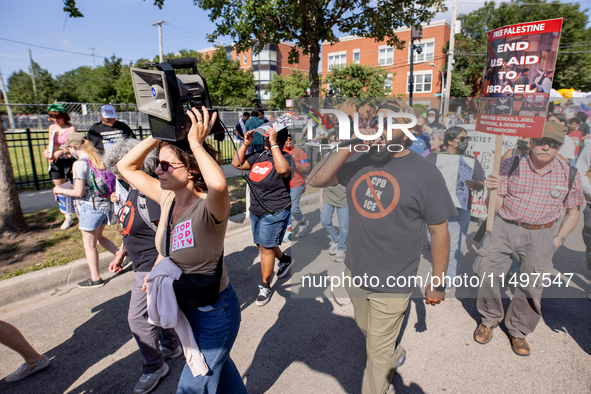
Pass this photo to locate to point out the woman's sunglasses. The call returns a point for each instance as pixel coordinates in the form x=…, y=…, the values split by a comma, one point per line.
x=551, y=143
x=165, y=165
x=461, y=139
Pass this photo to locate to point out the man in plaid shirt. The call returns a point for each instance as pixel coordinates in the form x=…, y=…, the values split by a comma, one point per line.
x=528, y=205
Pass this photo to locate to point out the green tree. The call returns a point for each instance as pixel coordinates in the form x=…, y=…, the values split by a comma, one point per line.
x=287, y=87
x=573, y=70
x=20, y=86
x=356, y=80
x=228, y=84
x=308, y=23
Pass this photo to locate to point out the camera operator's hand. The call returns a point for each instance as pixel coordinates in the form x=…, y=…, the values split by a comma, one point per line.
x=200, y=125
x=272, y=136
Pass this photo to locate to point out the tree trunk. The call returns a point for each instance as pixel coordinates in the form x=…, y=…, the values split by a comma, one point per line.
x=314, y=80
x=11, y=214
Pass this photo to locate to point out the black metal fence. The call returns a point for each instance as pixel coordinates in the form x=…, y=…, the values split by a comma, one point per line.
x=30, y=168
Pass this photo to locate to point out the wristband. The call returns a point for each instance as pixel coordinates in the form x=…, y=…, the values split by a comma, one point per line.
x=245, y=144
x=560, y=238
x=274, y=146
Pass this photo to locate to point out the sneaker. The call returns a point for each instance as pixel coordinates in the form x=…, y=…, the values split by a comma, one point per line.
x=332, y=250
x=89, y=283
x=25, y=370
x=340, y=256
x=264, y=296
x=287, y=236
x=401, y=360
x=149, y=381
x=284, y=265
x=171, y=353
x=67, y=223
x=303, y=229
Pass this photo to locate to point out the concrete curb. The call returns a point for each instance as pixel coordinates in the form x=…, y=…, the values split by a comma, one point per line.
x=49, y=279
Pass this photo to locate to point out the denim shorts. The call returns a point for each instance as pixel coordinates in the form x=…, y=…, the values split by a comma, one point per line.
x=89, y=218
x=268, y=230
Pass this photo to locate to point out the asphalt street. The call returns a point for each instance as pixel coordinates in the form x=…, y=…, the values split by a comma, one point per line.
x=301, y=344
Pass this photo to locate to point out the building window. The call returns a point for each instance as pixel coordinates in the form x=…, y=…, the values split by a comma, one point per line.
x=388, y=83
x=229, y=55
x=422, y=83
x=267, y=56
x=244, y=58
x=427, y=53
x=356, y=56
x=337, y=61
x=386, y=57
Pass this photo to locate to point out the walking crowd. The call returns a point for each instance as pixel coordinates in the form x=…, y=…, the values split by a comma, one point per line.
x=389, y=195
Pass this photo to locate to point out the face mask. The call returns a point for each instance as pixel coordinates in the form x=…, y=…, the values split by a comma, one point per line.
x=430, y=120
x=462, y=146
x=73, y=153
x=522, y=145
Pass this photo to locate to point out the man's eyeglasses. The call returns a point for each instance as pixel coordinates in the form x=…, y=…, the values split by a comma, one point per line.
x=551, y=143
x=165, y=165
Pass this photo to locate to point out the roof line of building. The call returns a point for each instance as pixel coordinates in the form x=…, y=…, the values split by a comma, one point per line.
x=436, y=23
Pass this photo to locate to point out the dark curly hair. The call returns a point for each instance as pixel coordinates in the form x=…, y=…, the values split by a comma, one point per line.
x=182, y=150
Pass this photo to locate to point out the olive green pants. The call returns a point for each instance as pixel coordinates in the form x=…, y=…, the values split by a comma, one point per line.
x=379, y=316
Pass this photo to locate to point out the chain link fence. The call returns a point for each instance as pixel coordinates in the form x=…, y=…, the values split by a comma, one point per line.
x=27, y=133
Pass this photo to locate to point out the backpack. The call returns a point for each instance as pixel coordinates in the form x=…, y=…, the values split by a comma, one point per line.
x=103, y=181
x=572, y=172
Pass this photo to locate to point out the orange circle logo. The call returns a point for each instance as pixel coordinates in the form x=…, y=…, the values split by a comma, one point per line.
x=375, y=209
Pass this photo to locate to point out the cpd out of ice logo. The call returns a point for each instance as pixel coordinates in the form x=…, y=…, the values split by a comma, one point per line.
x=345, y=127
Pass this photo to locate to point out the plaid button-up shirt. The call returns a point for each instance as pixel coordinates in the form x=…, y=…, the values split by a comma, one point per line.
x=537, y=198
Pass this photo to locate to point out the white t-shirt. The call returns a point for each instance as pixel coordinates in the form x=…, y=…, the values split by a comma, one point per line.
x=567, y=150
x=81, y=170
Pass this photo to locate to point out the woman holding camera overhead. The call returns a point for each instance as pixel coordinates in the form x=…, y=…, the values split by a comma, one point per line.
x=60, y=161
x=193, y=194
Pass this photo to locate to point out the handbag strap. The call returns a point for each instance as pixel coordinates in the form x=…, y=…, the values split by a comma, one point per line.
x=168, y=229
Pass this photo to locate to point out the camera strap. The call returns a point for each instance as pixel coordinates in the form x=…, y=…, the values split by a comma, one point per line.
x=168, y=229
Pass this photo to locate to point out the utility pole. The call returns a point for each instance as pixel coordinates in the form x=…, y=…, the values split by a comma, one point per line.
x=159, y=38
x=35, y=90
x=93, y=63
x=10, y=117
x=412, y=78
x=450, y=57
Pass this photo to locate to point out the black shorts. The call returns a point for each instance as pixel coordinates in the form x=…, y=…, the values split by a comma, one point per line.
x=60, y=168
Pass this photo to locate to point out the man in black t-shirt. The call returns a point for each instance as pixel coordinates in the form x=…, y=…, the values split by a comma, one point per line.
x=104, y=133
x=393, y=195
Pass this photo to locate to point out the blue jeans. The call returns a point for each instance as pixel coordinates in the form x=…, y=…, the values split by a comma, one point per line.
x=326, y=220
x=268, y=230
x=296, y=212
x=215, y=332
x=458, y=228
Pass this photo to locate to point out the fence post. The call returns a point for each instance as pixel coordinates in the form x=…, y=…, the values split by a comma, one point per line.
x=31, y=155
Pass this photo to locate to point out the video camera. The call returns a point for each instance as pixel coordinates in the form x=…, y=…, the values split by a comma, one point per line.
x=166, y=97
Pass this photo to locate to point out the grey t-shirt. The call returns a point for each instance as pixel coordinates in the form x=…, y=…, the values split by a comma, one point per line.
x=389, y=206
x=335, y=195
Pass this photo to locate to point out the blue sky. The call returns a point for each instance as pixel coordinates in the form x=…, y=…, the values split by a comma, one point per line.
x=120, y=27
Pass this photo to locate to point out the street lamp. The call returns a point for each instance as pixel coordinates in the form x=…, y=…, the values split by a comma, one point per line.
x=441, y=102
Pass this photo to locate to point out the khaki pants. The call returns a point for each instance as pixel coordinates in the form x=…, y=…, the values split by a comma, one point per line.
x=379, y=316
x=534, y=250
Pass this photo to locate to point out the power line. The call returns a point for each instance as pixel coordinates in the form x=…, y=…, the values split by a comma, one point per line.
x=54, y=49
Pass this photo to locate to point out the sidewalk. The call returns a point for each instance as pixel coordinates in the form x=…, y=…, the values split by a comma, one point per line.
x=44, y=199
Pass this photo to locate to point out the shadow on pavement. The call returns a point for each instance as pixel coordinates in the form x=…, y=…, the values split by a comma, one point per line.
x=102, y=335
x=308, y=332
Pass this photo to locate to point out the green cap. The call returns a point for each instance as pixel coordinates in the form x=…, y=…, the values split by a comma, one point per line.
x=57, y=108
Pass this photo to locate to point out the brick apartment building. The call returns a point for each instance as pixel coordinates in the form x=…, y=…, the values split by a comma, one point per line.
x=272, y=60
x=427, y=79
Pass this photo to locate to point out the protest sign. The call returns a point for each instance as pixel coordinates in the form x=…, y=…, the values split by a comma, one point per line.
x=456, y=170
x=66, y=203
x=517, y=81
x=278, y=124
